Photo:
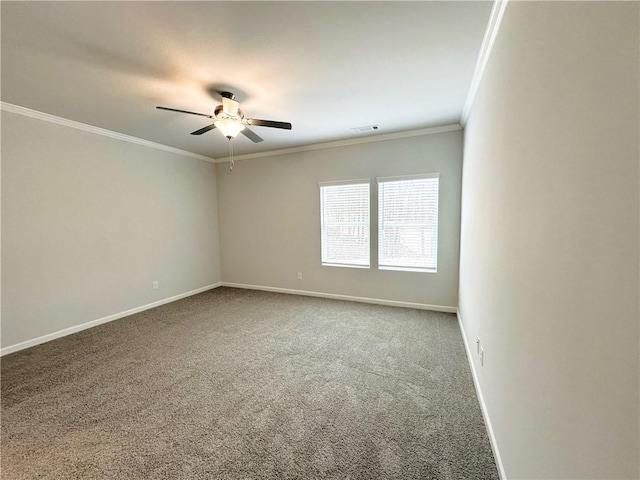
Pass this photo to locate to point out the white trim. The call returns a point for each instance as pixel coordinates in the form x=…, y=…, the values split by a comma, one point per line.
x=349, y=141
x=335, y=296
x=408, y=269
x=345, y=265
x=495, y=18
x=27, y=112
x=100, y=321
x=402, y=178
x=338, y=183
x=483, y=405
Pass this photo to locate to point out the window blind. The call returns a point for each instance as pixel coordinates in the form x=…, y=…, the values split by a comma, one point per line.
x=408, y=223
x=345, y=224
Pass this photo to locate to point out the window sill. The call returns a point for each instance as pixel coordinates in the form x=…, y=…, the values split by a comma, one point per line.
x=342, y=265
x=409, y=269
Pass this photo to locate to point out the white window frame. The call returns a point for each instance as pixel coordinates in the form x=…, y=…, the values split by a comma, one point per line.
x=381, y=265
x=323, y=234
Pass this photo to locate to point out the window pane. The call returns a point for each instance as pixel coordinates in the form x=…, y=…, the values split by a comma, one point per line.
x=408, y=223
x=345, y=224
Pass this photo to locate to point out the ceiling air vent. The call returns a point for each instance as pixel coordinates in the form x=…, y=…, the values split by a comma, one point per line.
x=368, y=128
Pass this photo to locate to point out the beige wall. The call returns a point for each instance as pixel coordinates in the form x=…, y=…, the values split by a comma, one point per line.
x=270, y=218
x=549, y=248
x=89, y=222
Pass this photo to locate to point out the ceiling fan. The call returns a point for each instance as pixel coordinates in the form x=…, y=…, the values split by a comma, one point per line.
x=230, y=120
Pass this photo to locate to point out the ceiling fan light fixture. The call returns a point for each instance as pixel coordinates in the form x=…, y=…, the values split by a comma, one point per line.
x=229, y=119
x=229, y=127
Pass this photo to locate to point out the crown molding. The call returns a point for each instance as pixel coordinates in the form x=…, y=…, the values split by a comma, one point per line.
x=9, y=107
x=27, y=112
x=495, y=18
x=349, y=141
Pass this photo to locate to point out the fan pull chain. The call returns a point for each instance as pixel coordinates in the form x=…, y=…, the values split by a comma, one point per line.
x=230, y=154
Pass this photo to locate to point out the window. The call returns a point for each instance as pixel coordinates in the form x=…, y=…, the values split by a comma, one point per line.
x=344, y=218
x=408, y=223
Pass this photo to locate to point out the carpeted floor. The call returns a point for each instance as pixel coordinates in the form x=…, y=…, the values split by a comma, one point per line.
x=236, y=384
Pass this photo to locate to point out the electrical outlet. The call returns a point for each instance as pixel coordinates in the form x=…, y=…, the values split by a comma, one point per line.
x=481, y=357
x=299, y=275
x=478, y=344
x=155, y=284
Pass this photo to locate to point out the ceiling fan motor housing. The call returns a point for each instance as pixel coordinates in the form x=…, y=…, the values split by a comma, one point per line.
x=220, y=113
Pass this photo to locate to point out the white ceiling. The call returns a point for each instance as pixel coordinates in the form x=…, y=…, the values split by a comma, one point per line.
x=323, y=66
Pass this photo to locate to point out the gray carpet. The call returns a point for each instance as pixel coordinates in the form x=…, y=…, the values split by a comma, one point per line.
x=237, y=384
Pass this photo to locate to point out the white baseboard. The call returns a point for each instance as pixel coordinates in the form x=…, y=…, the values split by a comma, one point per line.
x=100, y=321
x=483, y=406
x=116, y=316
x=334, y=296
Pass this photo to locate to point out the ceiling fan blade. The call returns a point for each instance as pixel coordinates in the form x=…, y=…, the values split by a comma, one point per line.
x=251, y=135
x=185, y=111
x=230, y=106
x=269, y=123
x=204, y=129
